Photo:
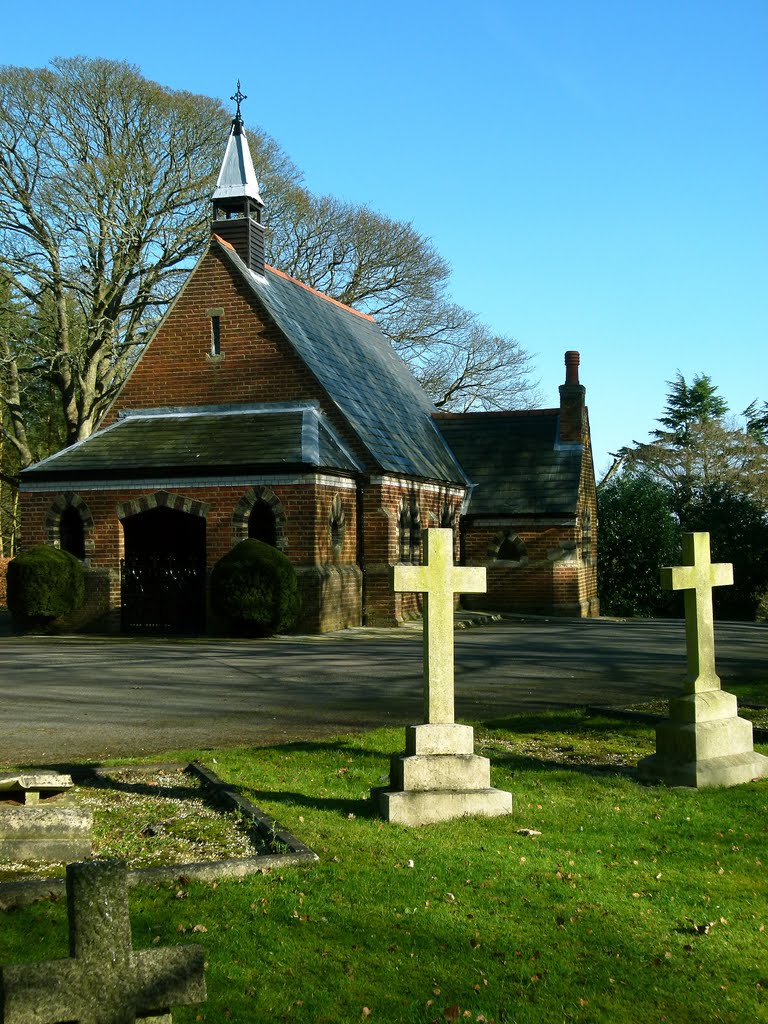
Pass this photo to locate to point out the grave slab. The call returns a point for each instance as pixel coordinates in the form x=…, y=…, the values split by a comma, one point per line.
x=439, y=777
x=703, y=742
x=39, y=822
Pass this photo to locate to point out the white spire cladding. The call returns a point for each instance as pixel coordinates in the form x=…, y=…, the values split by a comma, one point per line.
x=237, y=177
x=237, y=207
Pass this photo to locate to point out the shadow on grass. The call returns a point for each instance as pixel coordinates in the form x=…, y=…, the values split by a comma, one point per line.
x=521, y=763
x=340, y=746
x=573, y=723
x=337, y=805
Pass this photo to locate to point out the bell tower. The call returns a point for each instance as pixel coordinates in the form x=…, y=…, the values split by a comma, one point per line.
x=237, y=207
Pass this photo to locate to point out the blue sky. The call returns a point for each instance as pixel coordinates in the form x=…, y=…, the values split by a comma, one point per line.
x=594, y=172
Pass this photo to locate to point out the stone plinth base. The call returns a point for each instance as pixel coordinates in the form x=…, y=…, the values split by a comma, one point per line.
x=439, y=778
x=704, y=743
x=426, y=807
x=45, y=833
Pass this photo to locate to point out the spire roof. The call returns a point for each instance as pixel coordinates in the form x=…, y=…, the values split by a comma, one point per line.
x=237, y=177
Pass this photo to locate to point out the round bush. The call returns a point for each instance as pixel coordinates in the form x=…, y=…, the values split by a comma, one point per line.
x=255, y=587
x=43, y=584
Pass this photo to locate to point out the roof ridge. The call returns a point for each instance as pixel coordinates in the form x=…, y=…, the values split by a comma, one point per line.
x=494, y=413
x=322, y=295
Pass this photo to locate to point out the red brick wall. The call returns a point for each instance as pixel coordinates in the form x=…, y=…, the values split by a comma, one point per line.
x=307, y=510
x=3, y=572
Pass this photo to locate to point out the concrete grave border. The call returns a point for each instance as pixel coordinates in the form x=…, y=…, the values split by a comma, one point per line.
x=19, y=894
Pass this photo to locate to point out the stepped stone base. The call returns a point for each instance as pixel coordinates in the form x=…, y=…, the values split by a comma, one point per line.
x=704, y=743
x=426, y=807
x=439, y=778
x=45, y=833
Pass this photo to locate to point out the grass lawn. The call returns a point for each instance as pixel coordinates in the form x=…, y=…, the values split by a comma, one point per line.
x=633, y=903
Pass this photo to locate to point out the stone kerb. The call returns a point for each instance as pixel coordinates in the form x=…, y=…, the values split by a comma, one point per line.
x=703, y=742
x=104, y=980
x=284, y=848
x=439, y=777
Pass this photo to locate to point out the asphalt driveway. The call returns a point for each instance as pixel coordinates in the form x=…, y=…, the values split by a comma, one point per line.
x=69, y=699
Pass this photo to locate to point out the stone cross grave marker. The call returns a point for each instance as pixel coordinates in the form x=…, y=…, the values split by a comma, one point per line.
x=105, y=981
x=703, y=742
x=439, y=777
x=696, y=577
x=438, y=580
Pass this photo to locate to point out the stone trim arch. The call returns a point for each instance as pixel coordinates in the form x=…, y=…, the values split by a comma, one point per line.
x=586, y=545
x=162, y=499
x=243, y=511
x=409, y=530
x=505, y=543
x=337, y=525
x=52, y=524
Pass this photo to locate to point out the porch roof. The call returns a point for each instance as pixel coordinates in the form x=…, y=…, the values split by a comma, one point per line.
x=201, y=441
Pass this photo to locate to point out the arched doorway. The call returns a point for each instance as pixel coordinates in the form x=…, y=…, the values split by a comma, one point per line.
x=261, y=523
x=163, y=573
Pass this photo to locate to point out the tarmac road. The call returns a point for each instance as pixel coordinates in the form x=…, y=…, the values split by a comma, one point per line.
x=72, y=699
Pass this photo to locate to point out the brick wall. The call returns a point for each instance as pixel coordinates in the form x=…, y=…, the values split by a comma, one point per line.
x=3, y=573
x=256, y=363
x=307, y=511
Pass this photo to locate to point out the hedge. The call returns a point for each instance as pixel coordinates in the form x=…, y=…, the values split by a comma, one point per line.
x=44, y=583
x=254, y=586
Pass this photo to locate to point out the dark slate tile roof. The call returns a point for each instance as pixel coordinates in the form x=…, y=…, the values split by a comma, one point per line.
x=515, y=462
x=370, y=385
x=199, y=442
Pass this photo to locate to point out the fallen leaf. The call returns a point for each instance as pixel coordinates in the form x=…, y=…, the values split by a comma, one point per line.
x=366, y=1012
x=199, y=928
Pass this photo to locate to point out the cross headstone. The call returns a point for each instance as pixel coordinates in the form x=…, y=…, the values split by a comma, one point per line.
x=104, y=981
x=703, y=742
x=438, y=579
x=696, y=577
x=439, y=776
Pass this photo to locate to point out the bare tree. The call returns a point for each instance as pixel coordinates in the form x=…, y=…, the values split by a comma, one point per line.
x=105, y=179
x=386, y=268
x=104, y=185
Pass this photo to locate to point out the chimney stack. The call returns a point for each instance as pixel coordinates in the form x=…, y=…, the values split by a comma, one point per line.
x=572, y=408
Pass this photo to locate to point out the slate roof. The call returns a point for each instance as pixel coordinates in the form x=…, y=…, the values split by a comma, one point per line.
x=203, y=441
x=515, y=462
x=370, y=385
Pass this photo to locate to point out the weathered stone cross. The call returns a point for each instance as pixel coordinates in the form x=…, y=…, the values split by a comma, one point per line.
x=438, y=579
x=697, y=576
x=105, y=981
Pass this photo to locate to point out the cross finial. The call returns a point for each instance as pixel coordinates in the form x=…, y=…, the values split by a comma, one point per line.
x=696, y=577
x=237, y=120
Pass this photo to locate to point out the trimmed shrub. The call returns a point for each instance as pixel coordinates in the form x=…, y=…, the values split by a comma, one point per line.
x=255, y=587
x=44, y=583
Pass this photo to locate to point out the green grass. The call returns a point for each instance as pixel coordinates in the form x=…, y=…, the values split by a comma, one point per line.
x=634, y=903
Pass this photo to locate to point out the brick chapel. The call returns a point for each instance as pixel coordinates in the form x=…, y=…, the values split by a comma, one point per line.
x=262, y=408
